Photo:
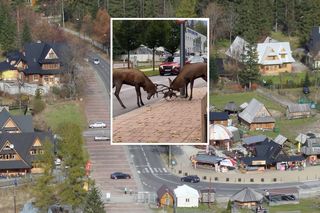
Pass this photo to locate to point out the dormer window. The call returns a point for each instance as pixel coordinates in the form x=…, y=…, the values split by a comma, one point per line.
x=51, y=55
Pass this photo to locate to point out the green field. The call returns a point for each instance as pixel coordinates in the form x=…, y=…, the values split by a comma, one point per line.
x=311, y=205
x=222, y=99
x=70, y=112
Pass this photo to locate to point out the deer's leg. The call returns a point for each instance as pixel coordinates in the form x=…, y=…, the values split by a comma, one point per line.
x=191, y=88
x=139, y=99
x=116, y=93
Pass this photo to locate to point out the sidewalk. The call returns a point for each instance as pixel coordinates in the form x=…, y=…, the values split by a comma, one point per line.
x=183, y=167
x=176, y=121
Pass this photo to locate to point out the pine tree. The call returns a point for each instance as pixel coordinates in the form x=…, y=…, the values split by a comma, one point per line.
x=44, y=190
x=93, y=202
x=26, y=35
x=250, y=74
x=7, y=29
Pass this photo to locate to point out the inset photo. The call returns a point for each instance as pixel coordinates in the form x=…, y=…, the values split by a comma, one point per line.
x=159, y=81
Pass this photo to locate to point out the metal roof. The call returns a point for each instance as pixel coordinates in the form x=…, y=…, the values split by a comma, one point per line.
x=237, y=48
x=280, y=139
x=247, y=195
x=231, y=106
x=299, y=108
x=254, y=139
x=274, y=49
x=218, y=116
x=256, y=112
x=219, y=132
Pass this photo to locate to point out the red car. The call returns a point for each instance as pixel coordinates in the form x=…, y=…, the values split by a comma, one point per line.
x=170, y=66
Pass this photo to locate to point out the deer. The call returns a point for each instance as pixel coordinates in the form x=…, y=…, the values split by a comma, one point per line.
x=187, y=75
x=134, y=78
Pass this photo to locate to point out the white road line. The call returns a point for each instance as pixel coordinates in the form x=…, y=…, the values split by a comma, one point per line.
x=155, y=169
x=151, y=169
x=164, y=169
x=138, y=172
x=146, y=170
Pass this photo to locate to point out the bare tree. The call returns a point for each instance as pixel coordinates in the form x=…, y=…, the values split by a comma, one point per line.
x=230, y=20
x=215, y=13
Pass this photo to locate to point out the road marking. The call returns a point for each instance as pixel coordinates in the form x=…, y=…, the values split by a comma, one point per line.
x=164, y=169
x=151, y=169
x=138, y=172
x=146, y=169
x=155, y=169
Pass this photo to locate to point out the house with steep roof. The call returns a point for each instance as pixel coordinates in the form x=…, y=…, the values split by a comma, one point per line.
x=219, y=118
x=20, y=144
x=274, y=58
x=186, y=196
x=165, y=196
x=298, y=111
x=311, y=149
x=246, y=197
x=38, y=63
x=237, y=49
x=256, y=116
x=15, y=123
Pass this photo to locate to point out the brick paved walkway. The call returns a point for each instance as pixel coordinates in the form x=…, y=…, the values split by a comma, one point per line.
x=176, y=121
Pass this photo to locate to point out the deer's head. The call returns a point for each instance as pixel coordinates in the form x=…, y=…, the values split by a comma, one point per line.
x=152, y=91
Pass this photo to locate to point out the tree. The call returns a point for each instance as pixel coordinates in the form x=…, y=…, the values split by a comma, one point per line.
x=173, y=41
x=26, y=35
x=216, y=15
x=44, y=189
x=156, y=36
x=186, y=9
x=101, y=27
x=128, y=35
x=7, y=29
x=86, y=26
x=250, y=73
x=213, y=70
x=93, y=202
x=38, y=104
x=71, y=190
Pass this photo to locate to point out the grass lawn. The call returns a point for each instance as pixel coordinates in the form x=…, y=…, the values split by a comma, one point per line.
x=286, y=78
x=311, y=205
x=64, y=112
x=200, y=209
x=220, y=100
x=151, y=72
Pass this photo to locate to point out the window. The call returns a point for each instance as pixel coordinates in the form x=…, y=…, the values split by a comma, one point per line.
x=46, y=78
x=283, y=56
x=35, y=77
x=187, y=200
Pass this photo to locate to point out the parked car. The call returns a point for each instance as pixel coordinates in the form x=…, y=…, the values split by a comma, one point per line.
x=120, y=175
x=195, y=59
x=98, y=125
x=306, y=90
x=101, y=138
x=170, y=66
x=191, y=179
x=96, y=61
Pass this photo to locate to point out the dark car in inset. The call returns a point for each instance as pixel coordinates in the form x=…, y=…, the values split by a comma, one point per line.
x=191, y=179
x=120, y=175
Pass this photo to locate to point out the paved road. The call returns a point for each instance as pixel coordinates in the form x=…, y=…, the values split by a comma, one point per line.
x=129, y=97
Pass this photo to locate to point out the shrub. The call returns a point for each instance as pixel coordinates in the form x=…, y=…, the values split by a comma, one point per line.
x=38, y=106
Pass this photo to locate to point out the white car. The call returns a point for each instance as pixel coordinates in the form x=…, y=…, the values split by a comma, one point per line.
x=98, y=125
x=96, y=61
x=101, y=138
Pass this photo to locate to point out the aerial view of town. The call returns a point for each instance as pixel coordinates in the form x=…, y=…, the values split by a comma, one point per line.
x=153, y=106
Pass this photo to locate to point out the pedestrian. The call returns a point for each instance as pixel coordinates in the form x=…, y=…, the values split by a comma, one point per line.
x=125, y=190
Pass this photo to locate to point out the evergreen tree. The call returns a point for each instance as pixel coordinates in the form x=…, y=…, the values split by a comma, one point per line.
x=71, y=190
x=186, y=9
x=44, y=190
x=250, y=73
x=93, y=202
x=156, y=35
x=26, y=35
x=7, y=29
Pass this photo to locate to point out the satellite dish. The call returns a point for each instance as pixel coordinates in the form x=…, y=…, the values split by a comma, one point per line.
x=11, y=146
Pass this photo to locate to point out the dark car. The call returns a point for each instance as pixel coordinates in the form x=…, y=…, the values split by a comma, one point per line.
x=191, y=179
x=119, y=175
x=306, y=90
x=170, y=66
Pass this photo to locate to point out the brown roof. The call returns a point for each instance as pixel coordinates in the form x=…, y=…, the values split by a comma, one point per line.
x=164, y=189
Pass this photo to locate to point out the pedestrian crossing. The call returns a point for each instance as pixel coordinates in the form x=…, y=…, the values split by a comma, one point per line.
x=150, y=170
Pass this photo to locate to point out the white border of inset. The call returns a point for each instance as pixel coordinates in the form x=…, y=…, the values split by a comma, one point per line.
x=111, y=70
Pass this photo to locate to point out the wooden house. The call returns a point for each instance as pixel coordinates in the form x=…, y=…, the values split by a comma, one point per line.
x=274, y=57
x=11, y=67
x=15, y=123
x=313, y=47
x=247, y=197
x=165, y=196
x=256, y=116
x=298, y=111
x=311, y=149
x=219, y=118
x=231, y=108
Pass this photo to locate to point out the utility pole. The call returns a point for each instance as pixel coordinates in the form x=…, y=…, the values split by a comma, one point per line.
x=182, y=51
x=169, y=158
x=209, y=193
